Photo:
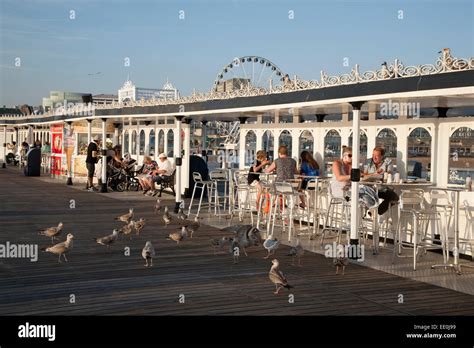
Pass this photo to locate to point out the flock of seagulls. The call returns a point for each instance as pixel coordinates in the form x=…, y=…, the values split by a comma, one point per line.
x=244, y=236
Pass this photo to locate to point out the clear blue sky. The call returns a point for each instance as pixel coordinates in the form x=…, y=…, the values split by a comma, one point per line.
x=58, y=53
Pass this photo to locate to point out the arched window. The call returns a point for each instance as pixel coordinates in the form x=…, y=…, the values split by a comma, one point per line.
x=419, y=153
x=363, y=146
x=161, y=141
x=151, y=146
x=134, y=142
x=250, y=148
x=142, y=142
x=268, y=144
x=332, y=148
x=388, y=140
x=285, y=140
x=170, y=143
x=126, y=142
x=461, y=155
x=306, y=142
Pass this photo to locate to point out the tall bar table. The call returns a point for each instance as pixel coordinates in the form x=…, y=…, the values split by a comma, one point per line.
x=455, y=265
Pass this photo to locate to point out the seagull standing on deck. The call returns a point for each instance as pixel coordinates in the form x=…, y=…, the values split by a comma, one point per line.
x=296, y=251
x=148, y=253
x=139, y=225
x=127, y=229
x=277, y=277
x=157, y=206
x=271, y=244
x=108, y=240
x=52, y=232
x=178, y=236
x=61, y=248
x=167, y=216
x=126, y=217
x=341, y=262
x=194, y=226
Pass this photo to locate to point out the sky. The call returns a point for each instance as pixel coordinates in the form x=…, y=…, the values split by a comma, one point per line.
x=83, y=45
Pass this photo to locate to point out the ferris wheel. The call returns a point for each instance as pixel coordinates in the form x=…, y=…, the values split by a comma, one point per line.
x=250, y=71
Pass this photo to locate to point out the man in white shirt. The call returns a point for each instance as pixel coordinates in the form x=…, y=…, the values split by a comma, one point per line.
x=165, y=168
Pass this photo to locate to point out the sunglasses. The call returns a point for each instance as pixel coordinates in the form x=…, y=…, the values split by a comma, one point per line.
x=349, y=155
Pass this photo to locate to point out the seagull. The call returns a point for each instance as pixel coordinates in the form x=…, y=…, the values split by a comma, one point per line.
x=194, y=226
x=52, y=232
x=271, y=244
x=341, y=262
x=127, y=229
x=139, y=225
x=148, y=253
x=219, y=243
x=296, y=251
x=277, y=277
x=157, y=205
x=181, y=214
x=178, y=236
x=108, y=240
x=246, y=235
x=126, y=217
x=61, y=248
x=167, y=216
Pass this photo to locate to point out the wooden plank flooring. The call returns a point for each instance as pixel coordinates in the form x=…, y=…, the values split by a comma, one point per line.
x=110, y=283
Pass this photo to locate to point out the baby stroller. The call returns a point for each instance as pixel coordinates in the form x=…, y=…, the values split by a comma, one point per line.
x=116, y=178
x=132, y=183
x=12, y=159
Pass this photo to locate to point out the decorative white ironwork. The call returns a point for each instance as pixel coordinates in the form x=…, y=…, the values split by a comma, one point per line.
x=445, y=63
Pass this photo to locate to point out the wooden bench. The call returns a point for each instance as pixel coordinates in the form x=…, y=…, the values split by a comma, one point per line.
x=167, y=182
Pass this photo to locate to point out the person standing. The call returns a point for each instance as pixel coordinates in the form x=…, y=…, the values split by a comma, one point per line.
x=91, y=159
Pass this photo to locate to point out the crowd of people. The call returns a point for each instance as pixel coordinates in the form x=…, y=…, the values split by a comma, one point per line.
x=17, y=155
x=286, y=168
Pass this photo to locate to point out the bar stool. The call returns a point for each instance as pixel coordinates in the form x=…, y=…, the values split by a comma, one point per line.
x=412, y=210
x=336, y=216
x=219, y=176
x=245, y=195
x=285, y=203
x=201, y=184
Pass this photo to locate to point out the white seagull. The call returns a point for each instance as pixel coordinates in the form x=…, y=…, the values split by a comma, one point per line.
x=271, y=244
x=167, y=216
x=148, y=253
x=296, y=251
x=157, y=205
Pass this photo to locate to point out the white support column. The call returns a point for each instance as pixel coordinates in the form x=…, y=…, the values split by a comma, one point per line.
x=186, y=156
x=259, y=135
x=371, y=135
x=157, y=138
x=402, y=149
x=146, y=152
x=277, y=116
x=116, y=134
x=276, y=142
x=178, y=162
x=103, y=188
x=30, y=135
x=295, y=144
x=137, y=143
x=345, y=135
x=354, y=238
x=433, y=151
x=89, y=131
x=242, y=153
x=165, y=140
x=204, y=135
x=4, y=165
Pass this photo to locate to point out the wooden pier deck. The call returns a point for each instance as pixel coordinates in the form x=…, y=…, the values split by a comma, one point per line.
x=110, y=283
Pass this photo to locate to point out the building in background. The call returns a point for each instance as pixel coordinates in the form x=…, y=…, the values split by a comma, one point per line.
x=60, y=98
x=130, y=92
x=233, y=84
x=104, y=99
